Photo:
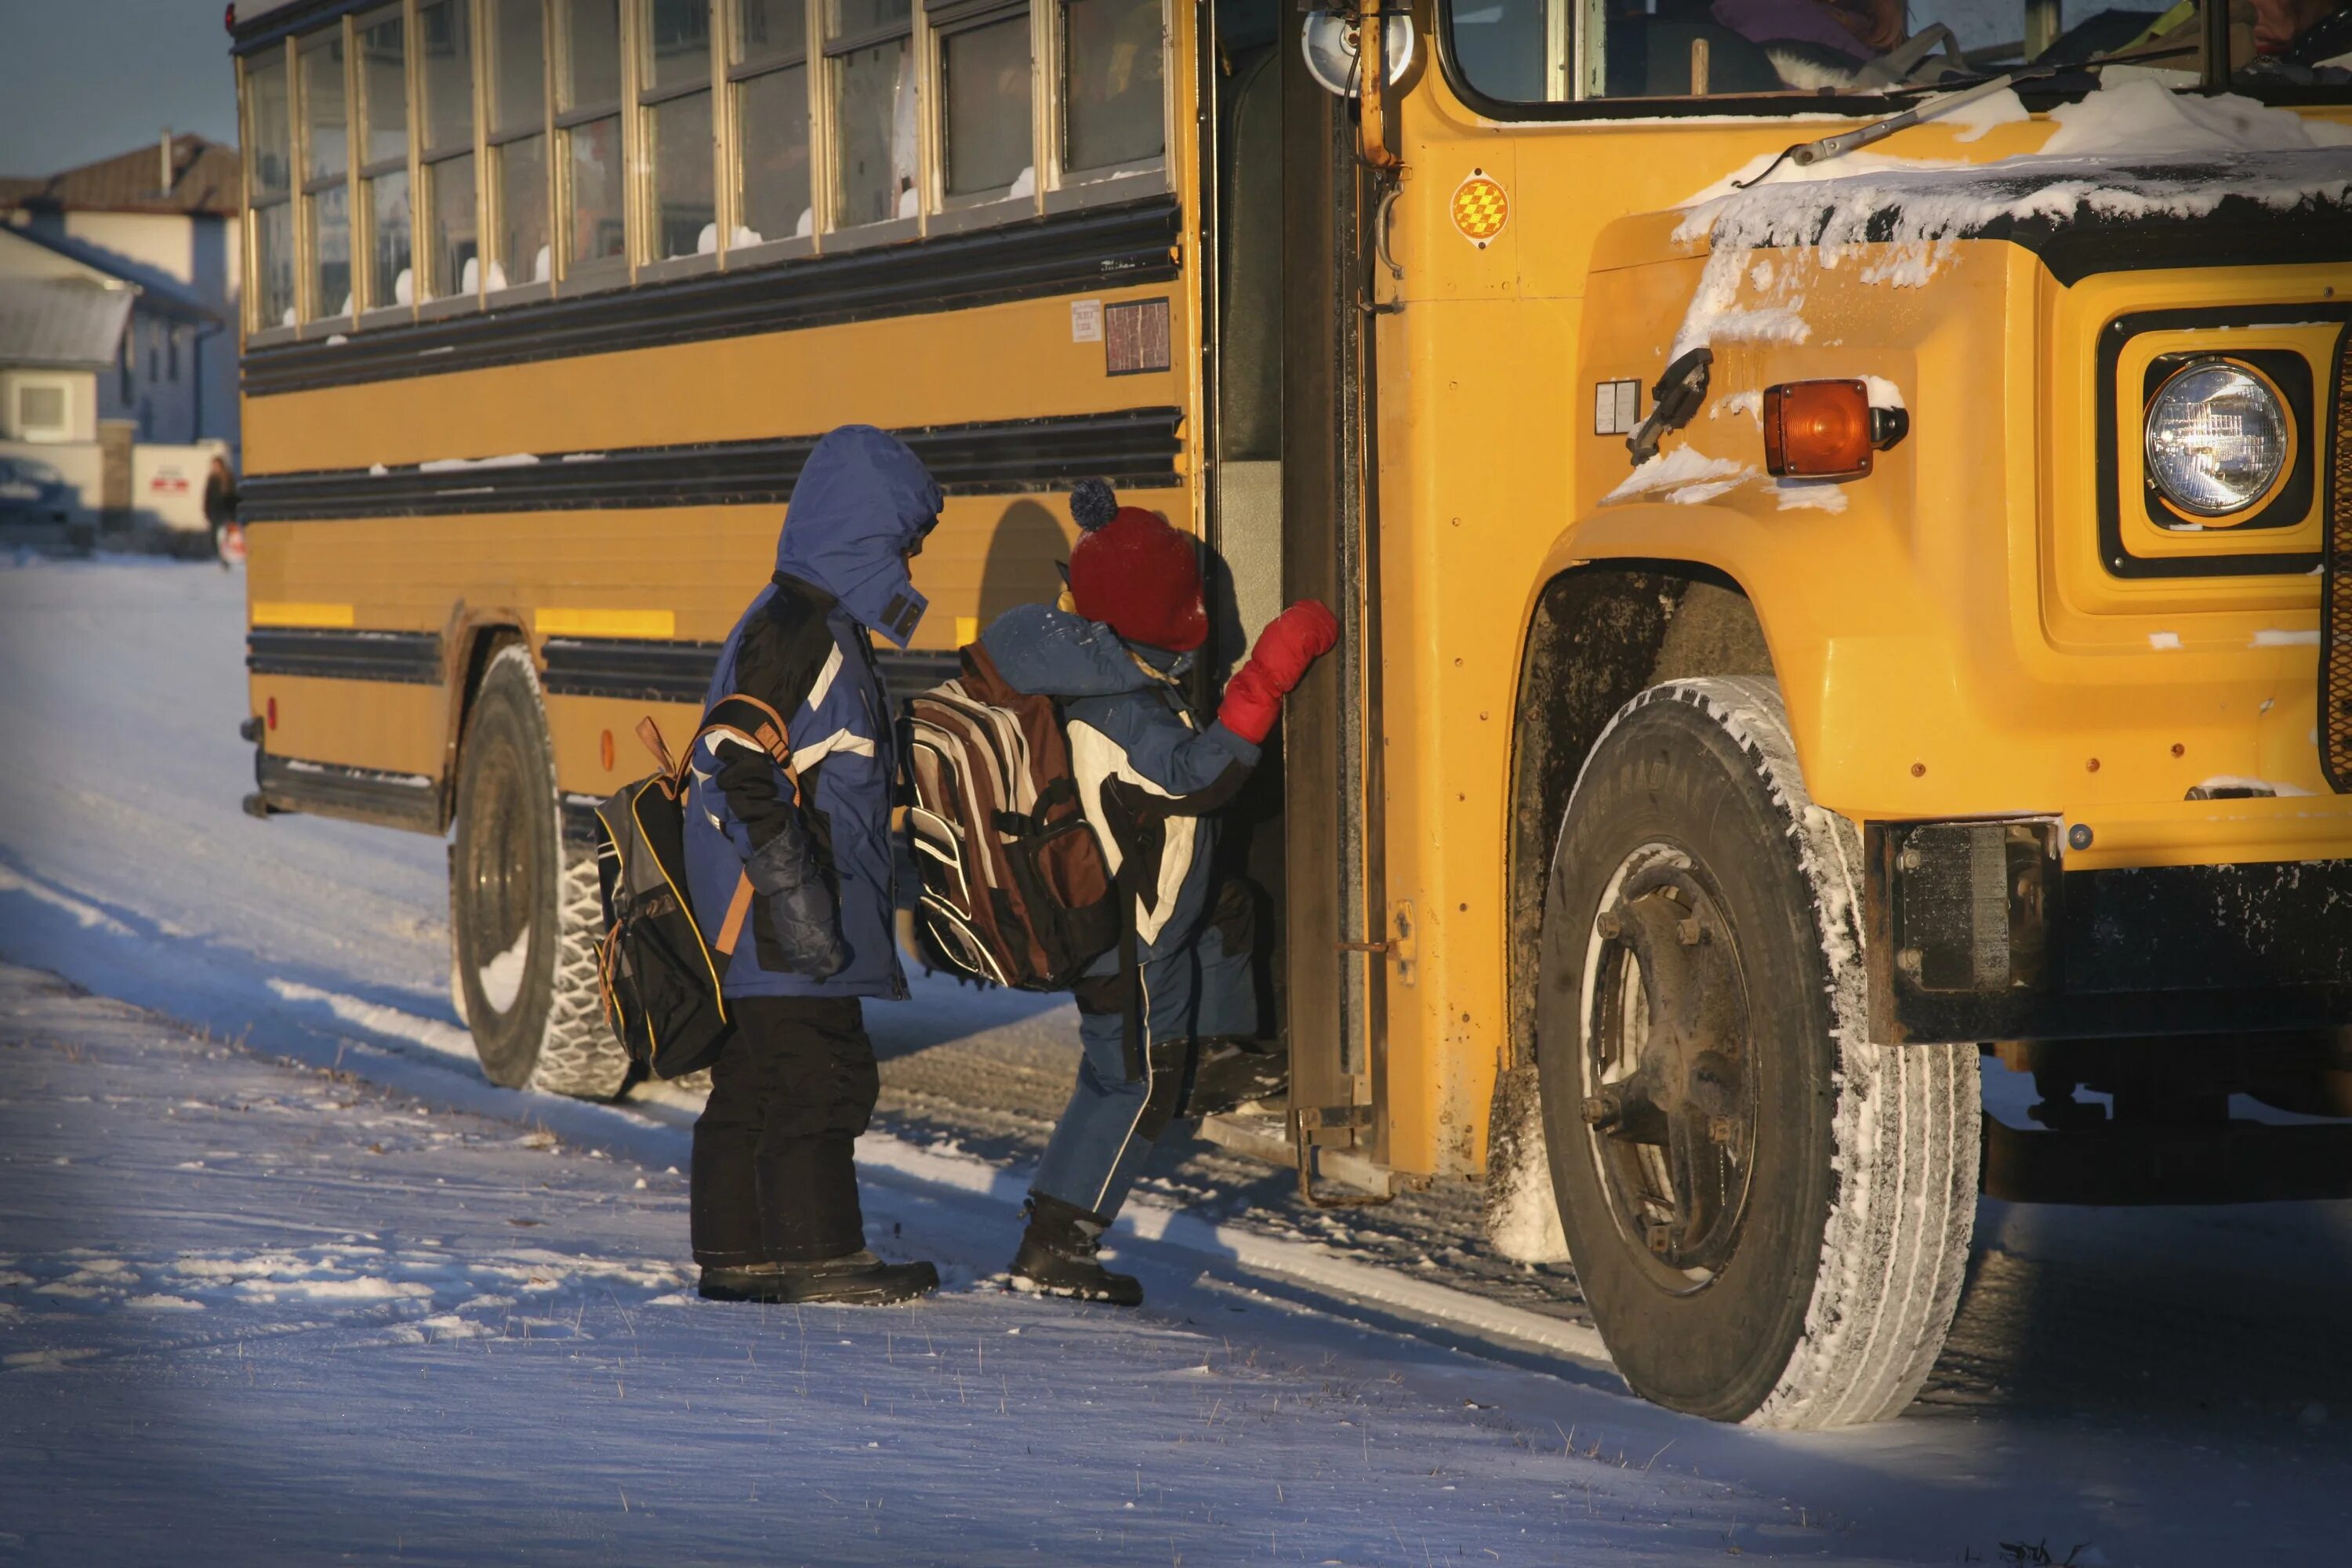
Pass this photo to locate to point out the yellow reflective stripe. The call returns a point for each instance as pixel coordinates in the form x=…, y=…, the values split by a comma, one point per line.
x=293, y=613
x=560, y=623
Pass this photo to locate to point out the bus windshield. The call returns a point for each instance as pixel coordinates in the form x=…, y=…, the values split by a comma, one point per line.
x=1559, y=51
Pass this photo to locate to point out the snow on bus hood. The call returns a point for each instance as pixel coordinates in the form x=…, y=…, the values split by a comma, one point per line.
x=2135, y=150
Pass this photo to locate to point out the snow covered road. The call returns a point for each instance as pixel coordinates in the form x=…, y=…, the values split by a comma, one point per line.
x=2167, y=1386
x=256, y=1312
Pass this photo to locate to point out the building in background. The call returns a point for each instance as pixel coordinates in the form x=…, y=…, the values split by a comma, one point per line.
x=161, y=220
x=104, y=407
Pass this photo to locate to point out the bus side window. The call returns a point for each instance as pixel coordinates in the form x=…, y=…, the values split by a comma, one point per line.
x=594, y=223
x=675, y=100
x=445, y=46
x=983, y=75
x=870, y=74
x=326, y=166
x=384, y=159
x=1114, y=116
x=270, y=141
x=770, y=78
x=520, y=251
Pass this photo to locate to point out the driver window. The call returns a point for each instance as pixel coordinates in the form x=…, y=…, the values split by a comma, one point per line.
x=1537, y=51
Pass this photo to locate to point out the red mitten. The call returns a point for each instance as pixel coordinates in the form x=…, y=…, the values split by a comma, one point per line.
x=1291, y=641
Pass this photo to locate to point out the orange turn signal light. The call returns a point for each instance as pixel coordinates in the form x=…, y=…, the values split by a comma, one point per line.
x=1826, y=429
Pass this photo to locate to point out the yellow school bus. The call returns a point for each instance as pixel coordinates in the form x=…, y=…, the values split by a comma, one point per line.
x=1825, y=599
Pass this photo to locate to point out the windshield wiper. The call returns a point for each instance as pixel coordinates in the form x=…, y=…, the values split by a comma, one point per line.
x=1805, y=154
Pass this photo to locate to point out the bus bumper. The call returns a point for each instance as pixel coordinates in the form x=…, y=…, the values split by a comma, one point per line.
x=1978, y=932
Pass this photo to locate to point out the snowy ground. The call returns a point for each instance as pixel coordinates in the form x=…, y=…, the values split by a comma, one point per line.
x=236, y=1291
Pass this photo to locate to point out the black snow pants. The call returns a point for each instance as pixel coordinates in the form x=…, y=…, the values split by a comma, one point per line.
x=775, y=1179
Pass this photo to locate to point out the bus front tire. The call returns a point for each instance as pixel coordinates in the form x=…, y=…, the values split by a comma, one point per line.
x=1768, y=1214
x=523, y=905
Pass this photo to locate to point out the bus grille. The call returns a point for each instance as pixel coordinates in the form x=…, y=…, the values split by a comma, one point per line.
x=2335, y=593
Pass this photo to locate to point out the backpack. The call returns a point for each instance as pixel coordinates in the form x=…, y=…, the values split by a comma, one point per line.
x=658, y=978
x=1015, y=889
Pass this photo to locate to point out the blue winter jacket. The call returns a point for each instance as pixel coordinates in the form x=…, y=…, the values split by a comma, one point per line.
x=861, y=502
x=1149, y=773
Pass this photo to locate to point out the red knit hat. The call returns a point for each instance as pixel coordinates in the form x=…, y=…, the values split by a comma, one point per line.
x=1135, y=573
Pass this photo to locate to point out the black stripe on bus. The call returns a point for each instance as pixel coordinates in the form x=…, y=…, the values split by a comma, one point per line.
x=412, y=658
x=643, y=670
x=356, y=794
x=1088, y=247
x=1133, y=447
x=637, y=669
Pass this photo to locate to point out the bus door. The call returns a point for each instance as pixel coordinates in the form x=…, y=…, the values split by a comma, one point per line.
x=1292, y=420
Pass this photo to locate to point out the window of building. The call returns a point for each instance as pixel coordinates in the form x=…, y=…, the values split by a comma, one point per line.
x=445, y=53
x=1114, y=118
x=770, y=81
x=383, y=152
x=44, y=409
x=588, y=111
x=675, y=99
x=521, y=252
x=270, y=171
x=984, y=73
x=326, y=175
x=870, y=71
x=172, y=353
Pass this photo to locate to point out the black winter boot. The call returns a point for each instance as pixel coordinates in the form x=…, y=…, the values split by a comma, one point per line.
x=1230, y=1073
x=859, y=1280
x=1057, y=1256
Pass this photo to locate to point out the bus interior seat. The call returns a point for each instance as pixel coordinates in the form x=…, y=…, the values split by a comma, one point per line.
x=2099, y=34
x=1650, y=57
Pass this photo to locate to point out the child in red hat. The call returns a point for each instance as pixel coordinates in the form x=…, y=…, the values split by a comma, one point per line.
x=1152, y=774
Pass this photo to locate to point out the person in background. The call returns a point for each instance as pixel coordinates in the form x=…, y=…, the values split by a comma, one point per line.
x=790, y=873
x=1151, y=775
x=220, y=512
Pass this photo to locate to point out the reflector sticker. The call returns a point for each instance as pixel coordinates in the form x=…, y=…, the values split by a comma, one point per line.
x=1480, y=209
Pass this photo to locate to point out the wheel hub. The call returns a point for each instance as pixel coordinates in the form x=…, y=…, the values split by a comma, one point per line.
x=1669, y=1103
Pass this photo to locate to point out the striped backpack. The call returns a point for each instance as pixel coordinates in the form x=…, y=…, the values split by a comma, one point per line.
x=1015, y=889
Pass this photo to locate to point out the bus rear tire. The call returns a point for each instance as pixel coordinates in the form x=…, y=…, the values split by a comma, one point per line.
x=1768, y=1214
x=523, y=905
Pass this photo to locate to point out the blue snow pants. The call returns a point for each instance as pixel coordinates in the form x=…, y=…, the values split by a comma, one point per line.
x=1203, y=990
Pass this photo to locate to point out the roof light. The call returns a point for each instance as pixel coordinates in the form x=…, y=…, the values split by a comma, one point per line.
x=1826, y=429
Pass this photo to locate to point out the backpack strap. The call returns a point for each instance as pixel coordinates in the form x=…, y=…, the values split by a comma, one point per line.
x=749, y=722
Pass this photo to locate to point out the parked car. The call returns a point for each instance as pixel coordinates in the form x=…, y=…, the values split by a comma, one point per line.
x=33, y=491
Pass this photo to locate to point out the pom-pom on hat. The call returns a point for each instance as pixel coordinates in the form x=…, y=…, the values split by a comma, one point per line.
x=1135, y=573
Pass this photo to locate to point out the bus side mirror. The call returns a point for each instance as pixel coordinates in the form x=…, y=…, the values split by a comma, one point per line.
x=1332, y=40
x=1344, y=48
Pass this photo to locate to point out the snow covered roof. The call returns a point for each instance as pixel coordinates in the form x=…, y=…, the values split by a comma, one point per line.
x=74, y=257
x=60, y=323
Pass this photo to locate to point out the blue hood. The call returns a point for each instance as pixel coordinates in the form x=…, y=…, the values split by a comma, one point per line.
x=861, y=502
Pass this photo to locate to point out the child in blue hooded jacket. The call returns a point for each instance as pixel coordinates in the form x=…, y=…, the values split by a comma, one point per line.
x=1152, y=776
x=790, y=874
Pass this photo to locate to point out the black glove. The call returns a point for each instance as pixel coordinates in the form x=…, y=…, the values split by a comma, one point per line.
x=799, y=905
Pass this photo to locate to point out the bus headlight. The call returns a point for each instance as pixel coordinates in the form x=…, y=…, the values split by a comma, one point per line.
x=2218, y=434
